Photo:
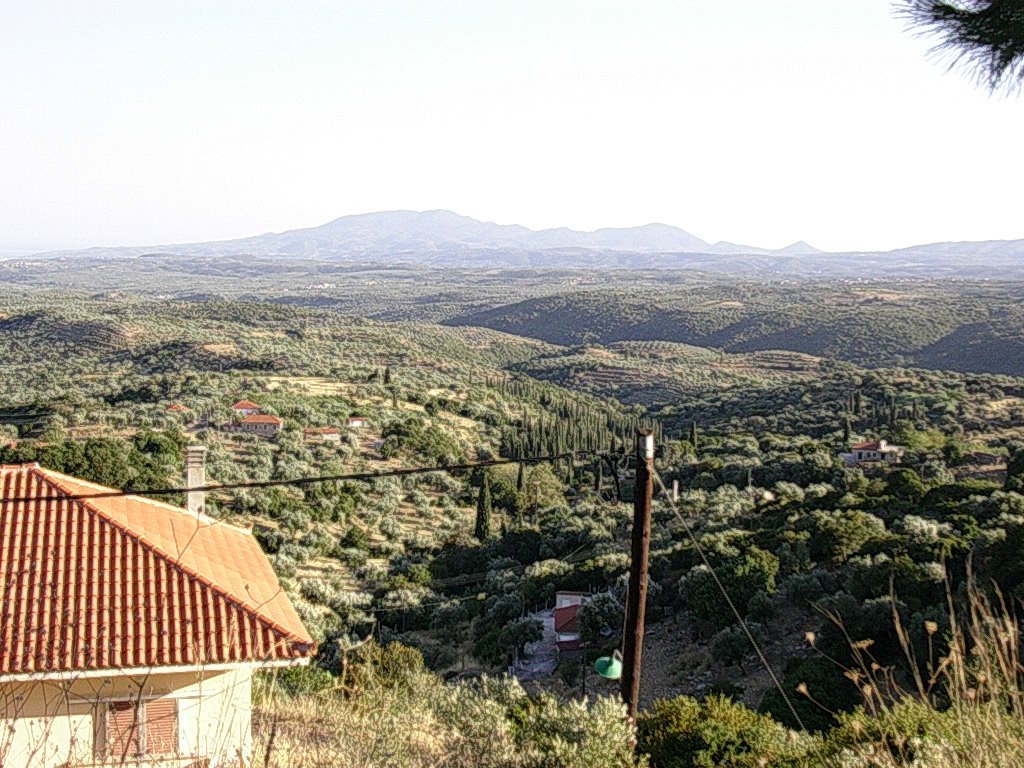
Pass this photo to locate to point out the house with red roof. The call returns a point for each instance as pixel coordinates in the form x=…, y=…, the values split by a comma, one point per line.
x=262, y=424
x=567, y=623
x=245, y=408
x=130, y=629
x=178, y=408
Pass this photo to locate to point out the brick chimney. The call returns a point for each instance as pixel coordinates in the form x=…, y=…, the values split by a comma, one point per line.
x=195, y=477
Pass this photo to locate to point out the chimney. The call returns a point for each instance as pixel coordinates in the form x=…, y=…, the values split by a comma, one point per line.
x=195, y=477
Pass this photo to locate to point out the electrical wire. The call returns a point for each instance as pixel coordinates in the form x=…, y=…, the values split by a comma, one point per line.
x=721, y=588
x=303, y=481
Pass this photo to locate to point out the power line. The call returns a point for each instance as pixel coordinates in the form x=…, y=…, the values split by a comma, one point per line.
x=674, y=505
x=303, y=481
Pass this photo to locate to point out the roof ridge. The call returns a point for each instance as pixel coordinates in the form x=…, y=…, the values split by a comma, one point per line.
x=255, y=610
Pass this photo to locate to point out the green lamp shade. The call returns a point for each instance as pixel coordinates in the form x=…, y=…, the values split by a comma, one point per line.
x=609, y=666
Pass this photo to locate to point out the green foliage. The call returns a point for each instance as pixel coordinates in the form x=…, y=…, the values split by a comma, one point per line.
x=816, y=688
x=603, y=613
x=742, y=576
x=716, y=733
x=484, y=510
x=731, y=645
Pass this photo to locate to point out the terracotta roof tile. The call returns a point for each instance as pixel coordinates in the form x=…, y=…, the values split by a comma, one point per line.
x=130, y=582
x=567, y=619
x=246, y=405
x=262, y=418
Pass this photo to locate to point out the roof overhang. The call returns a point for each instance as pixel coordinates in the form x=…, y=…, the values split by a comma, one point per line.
x=87, y=674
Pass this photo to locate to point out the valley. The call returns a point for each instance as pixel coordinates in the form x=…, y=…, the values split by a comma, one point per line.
x=110, y=385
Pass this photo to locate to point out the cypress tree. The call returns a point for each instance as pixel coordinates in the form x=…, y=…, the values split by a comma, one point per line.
x=846, y=430
x=520, y=479
x=387, y=374
x=693, y=434
x=483, y=511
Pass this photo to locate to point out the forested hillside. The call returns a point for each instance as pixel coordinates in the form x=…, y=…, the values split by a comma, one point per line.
x=449, y=571
x=963, y=325
x=974, y=328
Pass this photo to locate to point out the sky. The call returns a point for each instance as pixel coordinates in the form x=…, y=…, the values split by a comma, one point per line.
x=754, y=121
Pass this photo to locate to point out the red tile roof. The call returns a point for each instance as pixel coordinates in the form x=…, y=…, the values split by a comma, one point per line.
x=262, y=418
x=94, y=584
x=177, y=407
x=567, y=619
x=245, y=405
x=321, y=431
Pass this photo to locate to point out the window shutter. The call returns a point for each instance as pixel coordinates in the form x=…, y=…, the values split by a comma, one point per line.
x=161, y=727
x=123, y=725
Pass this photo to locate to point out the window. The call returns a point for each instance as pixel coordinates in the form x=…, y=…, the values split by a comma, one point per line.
x=146, y=727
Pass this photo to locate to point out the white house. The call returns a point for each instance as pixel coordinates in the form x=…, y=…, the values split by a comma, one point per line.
x=873, y=451
x=130, y=628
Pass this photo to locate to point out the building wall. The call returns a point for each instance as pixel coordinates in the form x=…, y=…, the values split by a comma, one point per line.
x=565, y=599
x=48, y=724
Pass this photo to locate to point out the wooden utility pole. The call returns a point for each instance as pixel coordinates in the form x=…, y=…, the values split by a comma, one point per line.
x=636, y=601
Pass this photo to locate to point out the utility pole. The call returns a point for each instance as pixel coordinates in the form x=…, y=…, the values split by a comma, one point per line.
x=636, y=601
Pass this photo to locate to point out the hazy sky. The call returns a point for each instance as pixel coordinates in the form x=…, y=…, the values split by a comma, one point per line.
x=756, y=121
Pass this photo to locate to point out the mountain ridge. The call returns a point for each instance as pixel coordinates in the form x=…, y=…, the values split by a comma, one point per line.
x=443, y=238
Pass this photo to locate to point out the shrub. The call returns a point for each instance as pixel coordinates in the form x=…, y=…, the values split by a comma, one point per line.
x=685, y=733
x=823, y=682
x=284, y=565
x=316, y=591
x=732, y=646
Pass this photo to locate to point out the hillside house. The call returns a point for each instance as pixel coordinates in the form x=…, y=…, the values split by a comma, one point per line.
x=322, y=434
x=261, y=424
x=357, y=422
x=244, y=408
x=877, y=451
x=567, y=624
x=130, y=628
x=178, y=408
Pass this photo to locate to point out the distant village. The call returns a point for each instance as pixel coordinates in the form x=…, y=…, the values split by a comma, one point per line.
x=250, y=419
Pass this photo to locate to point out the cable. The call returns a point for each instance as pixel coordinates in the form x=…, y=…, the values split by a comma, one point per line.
x=301, y=481
x=468, y=578
x=721, y=588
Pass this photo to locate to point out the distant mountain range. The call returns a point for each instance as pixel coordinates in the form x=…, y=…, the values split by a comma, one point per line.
x=448, y=239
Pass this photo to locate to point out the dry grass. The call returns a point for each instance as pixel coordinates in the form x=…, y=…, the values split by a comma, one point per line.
x=962, y=707
x=422, y=723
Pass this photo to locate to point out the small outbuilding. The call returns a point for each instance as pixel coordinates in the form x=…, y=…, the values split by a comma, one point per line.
x=245, y=408
x=568, y=638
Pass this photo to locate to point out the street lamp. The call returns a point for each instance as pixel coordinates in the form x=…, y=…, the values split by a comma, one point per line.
x=609, y=667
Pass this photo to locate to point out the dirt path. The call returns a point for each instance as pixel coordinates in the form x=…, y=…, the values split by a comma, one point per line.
x=540, y=658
